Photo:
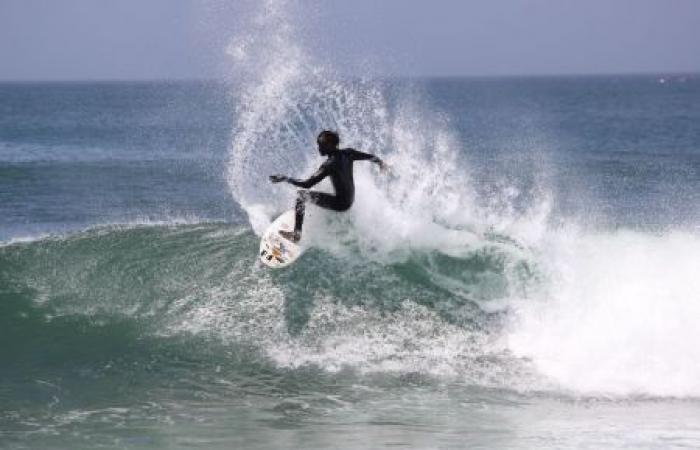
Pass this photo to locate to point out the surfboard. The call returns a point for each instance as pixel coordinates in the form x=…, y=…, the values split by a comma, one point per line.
x=276, y=251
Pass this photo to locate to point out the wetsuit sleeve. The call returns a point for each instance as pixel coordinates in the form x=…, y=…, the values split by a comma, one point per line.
x=319, y=175
x=357, y=155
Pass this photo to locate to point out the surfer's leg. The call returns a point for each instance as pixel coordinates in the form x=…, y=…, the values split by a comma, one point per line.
x=300, y=208
x=325, y=201
x=321, y=199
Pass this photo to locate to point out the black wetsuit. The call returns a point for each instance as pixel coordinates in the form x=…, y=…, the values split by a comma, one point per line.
x=339, y=167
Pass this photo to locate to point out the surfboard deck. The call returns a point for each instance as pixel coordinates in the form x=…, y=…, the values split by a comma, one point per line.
x=275, y=251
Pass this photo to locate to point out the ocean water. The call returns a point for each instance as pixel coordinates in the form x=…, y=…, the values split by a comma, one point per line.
x=526, y=276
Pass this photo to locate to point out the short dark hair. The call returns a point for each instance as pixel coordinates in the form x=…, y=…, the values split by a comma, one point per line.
x=328, y=136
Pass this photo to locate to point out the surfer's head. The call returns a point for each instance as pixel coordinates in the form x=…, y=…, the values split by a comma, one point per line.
x=327, y=141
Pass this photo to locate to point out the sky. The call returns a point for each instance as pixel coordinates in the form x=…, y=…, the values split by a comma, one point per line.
x=184, y=39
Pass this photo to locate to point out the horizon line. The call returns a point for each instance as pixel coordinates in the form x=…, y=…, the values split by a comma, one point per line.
x=381, y=77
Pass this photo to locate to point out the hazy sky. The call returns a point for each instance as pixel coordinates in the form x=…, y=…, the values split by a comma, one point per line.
x=127, y=39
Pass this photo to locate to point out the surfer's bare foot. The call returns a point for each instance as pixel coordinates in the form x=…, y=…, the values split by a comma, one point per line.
x=293, y=236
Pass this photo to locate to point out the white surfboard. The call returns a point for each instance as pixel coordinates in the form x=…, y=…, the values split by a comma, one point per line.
x=276, y=251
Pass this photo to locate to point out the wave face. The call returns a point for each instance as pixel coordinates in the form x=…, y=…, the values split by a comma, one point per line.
x=582, y=314
x=334, y=312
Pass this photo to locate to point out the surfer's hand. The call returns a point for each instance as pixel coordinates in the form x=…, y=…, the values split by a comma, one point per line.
x=384, y=167
x=278, y=178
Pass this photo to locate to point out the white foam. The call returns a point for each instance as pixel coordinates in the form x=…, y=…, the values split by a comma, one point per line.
x=618, y=316
x=409, y=339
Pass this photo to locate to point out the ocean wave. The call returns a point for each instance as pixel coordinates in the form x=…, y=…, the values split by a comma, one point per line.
x=559, y=318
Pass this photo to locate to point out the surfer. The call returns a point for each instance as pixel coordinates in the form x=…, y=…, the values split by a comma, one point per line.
x=338, y=166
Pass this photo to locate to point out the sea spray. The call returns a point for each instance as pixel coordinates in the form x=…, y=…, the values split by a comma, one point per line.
x=286, y=97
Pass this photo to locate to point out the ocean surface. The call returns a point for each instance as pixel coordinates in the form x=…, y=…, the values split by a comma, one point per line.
x=526, y=276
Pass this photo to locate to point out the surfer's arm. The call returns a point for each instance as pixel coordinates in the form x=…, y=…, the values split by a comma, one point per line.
x=362, y=156
x=314, y=179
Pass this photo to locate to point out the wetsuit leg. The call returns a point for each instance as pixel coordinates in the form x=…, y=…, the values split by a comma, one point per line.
x=321, y=199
